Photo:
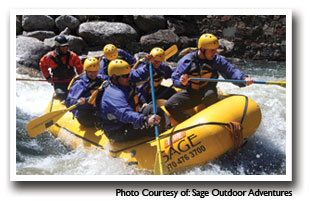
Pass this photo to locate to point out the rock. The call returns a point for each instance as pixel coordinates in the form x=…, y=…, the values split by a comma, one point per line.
x=229, y=32
x=19, y=28
x=66, y=31
x=187, y=42
x=226, y=45
x=181, y=27
x=161, y=38
x=37, y=22
x=41, y=35
x=148, y=23
x=29, y=51
x=65, y=21
x=102, y=33
x=76, y=44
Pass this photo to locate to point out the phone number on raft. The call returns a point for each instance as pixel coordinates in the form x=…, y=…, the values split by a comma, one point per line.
x=192, y=154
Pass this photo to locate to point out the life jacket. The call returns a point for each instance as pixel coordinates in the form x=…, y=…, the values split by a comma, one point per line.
x=63, y=70
x=133, y=95
x=200, y=70
x=90, y=88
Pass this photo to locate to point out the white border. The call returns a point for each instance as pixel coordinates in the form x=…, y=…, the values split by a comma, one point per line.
x=148, y=11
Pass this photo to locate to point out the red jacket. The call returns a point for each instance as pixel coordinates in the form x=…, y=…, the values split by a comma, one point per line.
x=51, y=61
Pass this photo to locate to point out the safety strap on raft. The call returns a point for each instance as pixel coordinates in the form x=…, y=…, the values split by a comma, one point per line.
x=235, y=129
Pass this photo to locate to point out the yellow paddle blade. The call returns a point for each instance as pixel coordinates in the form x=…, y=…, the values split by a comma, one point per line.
x=187, y=50
x=281, y=83
x=40, y=124
x=171, y=51
x=159, y=167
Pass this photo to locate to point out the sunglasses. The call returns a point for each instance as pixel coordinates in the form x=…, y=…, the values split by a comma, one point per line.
x=125, y=76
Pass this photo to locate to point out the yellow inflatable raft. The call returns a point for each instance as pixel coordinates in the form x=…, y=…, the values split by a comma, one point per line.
x=195, y=141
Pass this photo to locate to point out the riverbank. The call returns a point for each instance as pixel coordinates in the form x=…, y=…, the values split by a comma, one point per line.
x=260, y=37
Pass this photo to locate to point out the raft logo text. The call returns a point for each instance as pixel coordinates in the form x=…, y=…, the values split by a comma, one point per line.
x=202, y=194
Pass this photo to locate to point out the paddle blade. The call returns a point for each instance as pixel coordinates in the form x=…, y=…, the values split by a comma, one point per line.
x=281, y=83
x=40, y=124
x=171, y=51
x=159, y=167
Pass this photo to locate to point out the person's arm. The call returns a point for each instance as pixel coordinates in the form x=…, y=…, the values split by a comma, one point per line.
x=141, y=73
x=118, y=106
x=131, y=60
x=228, y=71
x=179, y=75
x=77, y=63
x=44, y=65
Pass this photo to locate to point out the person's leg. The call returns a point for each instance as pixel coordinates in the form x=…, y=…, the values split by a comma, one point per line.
x=210, y=97
x=178, y=103
x=165, y=92
x=61, y=90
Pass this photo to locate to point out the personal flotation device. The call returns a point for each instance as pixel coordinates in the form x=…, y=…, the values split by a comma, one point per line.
x=63, y=70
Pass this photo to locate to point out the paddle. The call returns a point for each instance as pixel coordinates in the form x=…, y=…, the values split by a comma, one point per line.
x=93, y=96
x=281, y=83
x=168, y=53
x=41, y=80
x=159, y=168
x=40, y=124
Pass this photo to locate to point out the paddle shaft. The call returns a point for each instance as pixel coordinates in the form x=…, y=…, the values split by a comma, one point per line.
x=235, y=81
x=42, y=80
x=158, y=167
x=153, y=97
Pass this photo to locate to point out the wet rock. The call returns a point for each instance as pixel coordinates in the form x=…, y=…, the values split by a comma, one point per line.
x=37, y=22
x=161, y=38
x=29, y=51
x=41, y=35
x=67, y=21
x=226, y=45
x=149, y=23
x=229, y=32
x=19, y=28
x=182, y=28
x=102, y=33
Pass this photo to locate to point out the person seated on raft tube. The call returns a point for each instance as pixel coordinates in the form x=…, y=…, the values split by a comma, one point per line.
x=82, y=88
x=62, y=63
x=124, y=116
x=160, y=71
x=201, y=63
x=111, y=52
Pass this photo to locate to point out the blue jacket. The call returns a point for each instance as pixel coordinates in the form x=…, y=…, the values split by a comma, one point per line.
x=103, y=71
x=162, y=72
x=82, y=87
x=117, y=108
x=218, y=65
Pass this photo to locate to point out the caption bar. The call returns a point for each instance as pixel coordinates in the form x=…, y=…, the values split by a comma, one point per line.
x=201, y=194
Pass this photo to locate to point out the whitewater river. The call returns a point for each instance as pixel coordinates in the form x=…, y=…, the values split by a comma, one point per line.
x=264, y=154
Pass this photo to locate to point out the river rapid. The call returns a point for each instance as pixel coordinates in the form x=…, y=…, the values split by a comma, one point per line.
x=264, y=153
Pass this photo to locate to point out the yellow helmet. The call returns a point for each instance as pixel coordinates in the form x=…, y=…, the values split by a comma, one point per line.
x=208, y=41
x=91, y=64
x=158, y=54
x=118, y=67
x=110, y=52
